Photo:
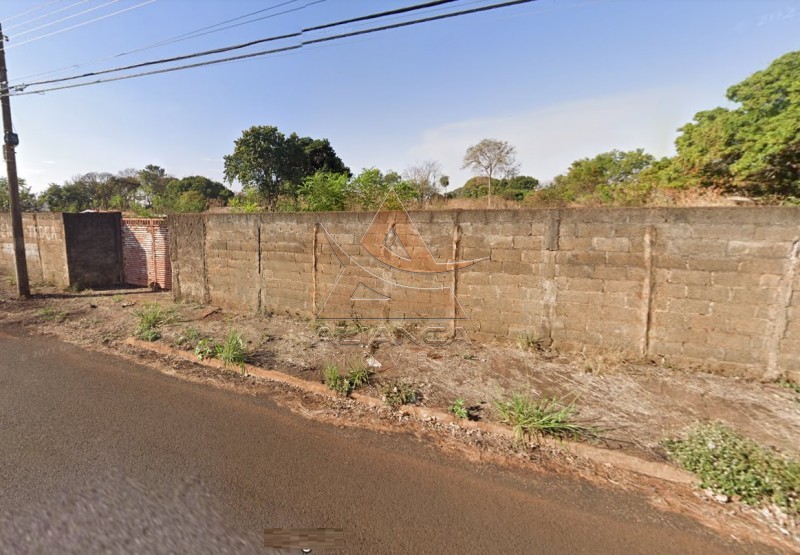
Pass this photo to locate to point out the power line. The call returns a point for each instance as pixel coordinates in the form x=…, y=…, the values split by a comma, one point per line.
x=237, y=46
x=170, y=40
x=51, y=23
x=48, y=14
x=146, y=2
x=35, y=9
x=283, y=49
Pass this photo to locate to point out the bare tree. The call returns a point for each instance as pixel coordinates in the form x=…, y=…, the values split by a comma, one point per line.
x=490, y=157
x=424, y=176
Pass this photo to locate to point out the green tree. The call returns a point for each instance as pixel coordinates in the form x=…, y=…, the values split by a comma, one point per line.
x=372, y=189
x=70, y=197
x=27, y=200
x=191, y=194
x=610, y=177
x=490, y=157
x=753, y=148
x=276, y=165
x=153, y=180
x=325, y=192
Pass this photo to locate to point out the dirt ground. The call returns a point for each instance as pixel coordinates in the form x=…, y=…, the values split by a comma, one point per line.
x=634, y=404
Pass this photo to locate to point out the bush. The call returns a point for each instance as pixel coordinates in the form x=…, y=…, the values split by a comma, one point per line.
x=730, y=464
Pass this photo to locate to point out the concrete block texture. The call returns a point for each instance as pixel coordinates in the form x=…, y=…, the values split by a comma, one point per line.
x=711, y=286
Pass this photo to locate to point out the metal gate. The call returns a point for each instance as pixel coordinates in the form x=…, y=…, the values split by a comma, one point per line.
x=145, y=252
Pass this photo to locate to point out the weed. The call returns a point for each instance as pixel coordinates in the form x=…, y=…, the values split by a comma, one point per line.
x=74, y=288
x=468, y=356
x=150, y=319
x=335, y=381
x=459, y=409
x=232, y=351
x=792, y=386
x=398, y=393
x=12, y=280
x=359, y=375
x=89, y=322
x=117, y=298
x=52, y=314
x=189, y=335
x=730, y=464
x=603, y=362
x=529, y=343
x=206, y=348
x=547, y=416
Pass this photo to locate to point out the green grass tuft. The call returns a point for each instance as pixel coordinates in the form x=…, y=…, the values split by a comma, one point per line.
x=543, y=417
x=232, y=351
x=150, y=318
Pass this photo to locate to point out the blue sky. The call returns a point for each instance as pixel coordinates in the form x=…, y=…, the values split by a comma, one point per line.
x=559, y=79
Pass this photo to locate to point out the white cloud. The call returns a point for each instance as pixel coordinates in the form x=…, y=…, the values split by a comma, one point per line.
x=549, y=139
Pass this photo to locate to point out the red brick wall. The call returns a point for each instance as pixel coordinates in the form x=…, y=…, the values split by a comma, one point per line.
x=145, y=252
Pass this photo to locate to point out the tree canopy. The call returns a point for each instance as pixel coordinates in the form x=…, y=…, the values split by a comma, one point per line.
x=369, y=190
x=608, y=177
x=276, y=165
x=28, y=200
x=753, y=148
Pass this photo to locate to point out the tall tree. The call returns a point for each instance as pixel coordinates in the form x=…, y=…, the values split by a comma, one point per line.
x=276, y=165
x=153, y=180
x=491, y=157
x=27, y=199
x=753, y=148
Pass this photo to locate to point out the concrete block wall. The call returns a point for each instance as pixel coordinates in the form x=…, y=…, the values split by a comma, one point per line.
x=66, y=249
x=716, y=287
x=44, y=248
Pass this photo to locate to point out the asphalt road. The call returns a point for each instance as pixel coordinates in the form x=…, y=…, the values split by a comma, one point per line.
x=101, y=455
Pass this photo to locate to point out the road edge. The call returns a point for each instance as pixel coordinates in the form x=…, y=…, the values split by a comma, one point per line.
x=598, y=455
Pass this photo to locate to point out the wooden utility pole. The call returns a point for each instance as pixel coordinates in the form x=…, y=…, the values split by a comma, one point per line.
x=10, y=141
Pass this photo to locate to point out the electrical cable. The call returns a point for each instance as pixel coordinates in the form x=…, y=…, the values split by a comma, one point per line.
x=31, y=10
x=282, y=49
x=48, y=14
x=13, y=37
x=142, y=4
x=34, y=9
x=235, y=46
x=185, y=36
